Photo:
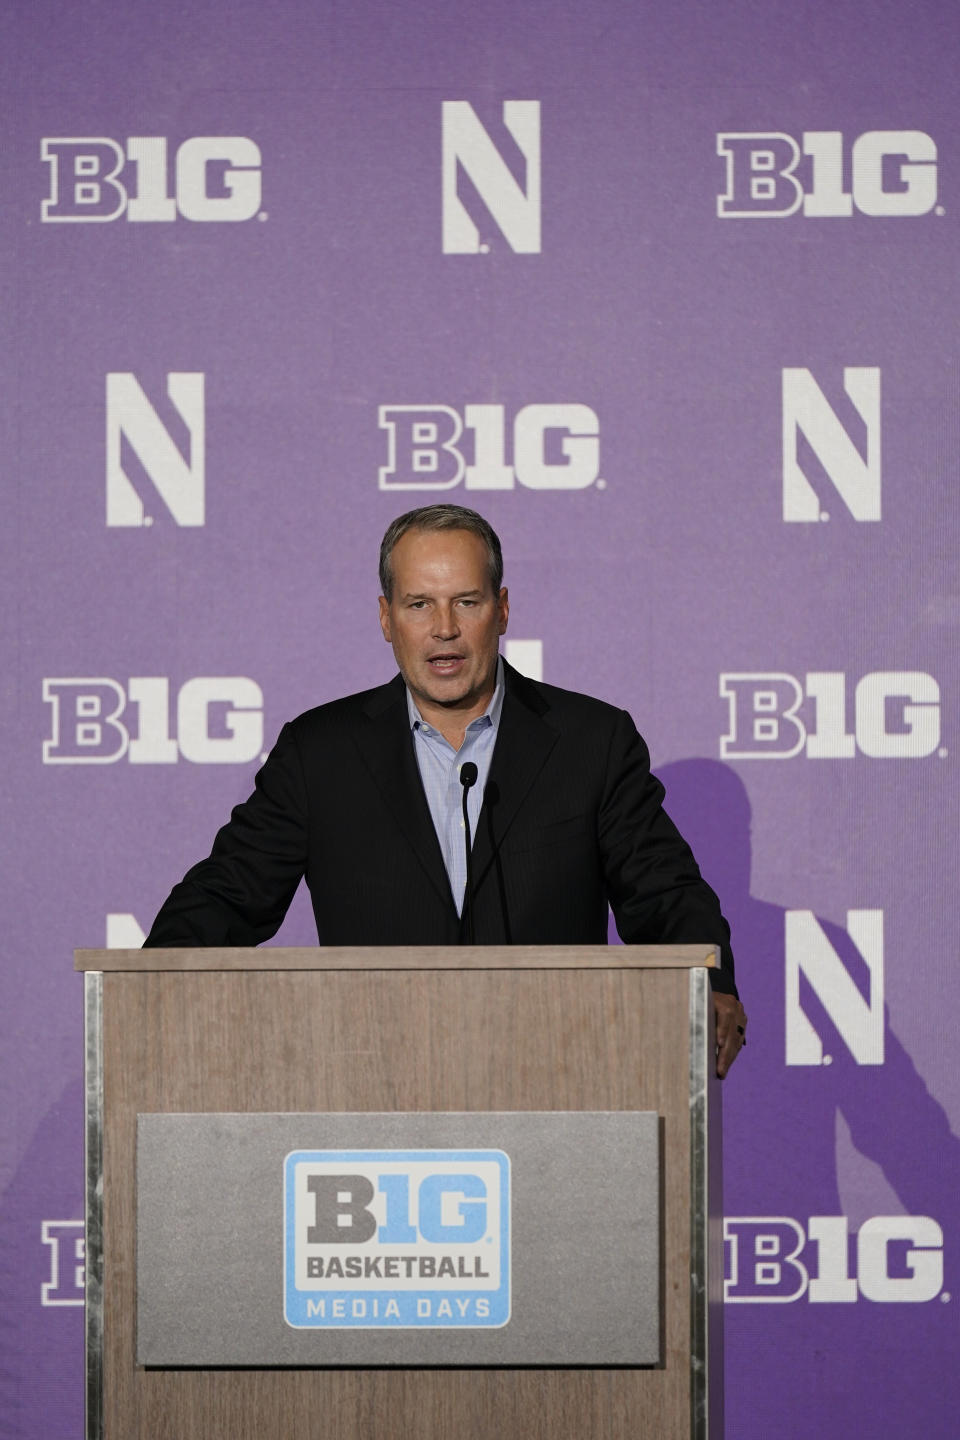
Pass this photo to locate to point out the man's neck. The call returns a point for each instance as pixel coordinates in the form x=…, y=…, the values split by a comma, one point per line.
x=452, y=721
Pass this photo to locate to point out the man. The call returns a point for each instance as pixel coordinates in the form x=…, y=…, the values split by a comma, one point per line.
x=363, y=796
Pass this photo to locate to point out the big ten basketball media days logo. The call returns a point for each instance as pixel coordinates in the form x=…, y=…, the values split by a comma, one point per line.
x=96, y=721
x=844, y=985
x=887, y=173
x=169, y=454
x=93, y=180
x=397, y=1238
x=66, y=1262
x=434, y=447
x=504, y=173
x=775, y=716
x=774, y=1259
x=847, y=451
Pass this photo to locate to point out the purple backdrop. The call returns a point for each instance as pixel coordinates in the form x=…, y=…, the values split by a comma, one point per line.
x=670, y=294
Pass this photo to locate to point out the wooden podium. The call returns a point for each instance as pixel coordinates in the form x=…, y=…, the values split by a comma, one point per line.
x=600, y=1028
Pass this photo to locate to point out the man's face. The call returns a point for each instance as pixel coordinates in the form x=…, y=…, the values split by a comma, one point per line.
x=444, y=620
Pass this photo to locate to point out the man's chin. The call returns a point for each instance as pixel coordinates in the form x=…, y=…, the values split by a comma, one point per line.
x=448, y=696
x=448, y=701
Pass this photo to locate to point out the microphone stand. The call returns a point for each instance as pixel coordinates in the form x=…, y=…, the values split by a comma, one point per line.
x=468, y=777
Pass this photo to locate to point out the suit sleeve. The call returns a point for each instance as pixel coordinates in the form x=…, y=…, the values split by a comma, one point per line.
x=241, y=892
x=653, y=883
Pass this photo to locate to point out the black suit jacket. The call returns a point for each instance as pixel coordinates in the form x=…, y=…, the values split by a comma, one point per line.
x=571, y=820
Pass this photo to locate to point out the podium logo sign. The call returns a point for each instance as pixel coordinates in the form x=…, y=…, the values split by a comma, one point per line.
x=436, y=1244
x=397, y=1238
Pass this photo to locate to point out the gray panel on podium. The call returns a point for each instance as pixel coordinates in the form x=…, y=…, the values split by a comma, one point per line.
x=481, y=1239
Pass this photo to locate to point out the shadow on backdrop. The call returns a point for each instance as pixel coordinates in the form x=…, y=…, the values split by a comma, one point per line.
x=786, y=1116
x=787, y=1366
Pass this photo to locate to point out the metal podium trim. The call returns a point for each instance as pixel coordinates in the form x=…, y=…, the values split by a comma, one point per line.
x=93, y=1233
x=699, y=1207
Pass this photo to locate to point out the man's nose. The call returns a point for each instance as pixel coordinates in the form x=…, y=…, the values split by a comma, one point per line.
x=445, y=624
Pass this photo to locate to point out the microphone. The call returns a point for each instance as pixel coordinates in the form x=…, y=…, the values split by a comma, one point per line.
x=468, y=777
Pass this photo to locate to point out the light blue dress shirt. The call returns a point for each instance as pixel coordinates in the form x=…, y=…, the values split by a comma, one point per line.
x=440, y=766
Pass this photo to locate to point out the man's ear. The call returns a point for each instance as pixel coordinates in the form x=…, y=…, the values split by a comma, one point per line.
x=385, y=618
x=503, y=609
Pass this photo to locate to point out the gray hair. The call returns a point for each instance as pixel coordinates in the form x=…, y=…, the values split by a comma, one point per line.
x=440, y=517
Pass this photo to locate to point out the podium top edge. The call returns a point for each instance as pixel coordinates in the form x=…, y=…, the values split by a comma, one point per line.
x=402, y=957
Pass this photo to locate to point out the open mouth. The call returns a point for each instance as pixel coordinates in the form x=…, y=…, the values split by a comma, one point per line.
x=445, y=664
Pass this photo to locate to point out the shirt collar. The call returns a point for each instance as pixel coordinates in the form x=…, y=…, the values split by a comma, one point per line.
x=491, y=716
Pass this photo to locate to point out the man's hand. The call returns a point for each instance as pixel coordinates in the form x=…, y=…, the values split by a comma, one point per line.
x=731, y=1030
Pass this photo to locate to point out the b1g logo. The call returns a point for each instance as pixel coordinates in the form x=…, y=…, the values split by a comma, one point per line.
x=891, y=173
x=215, y=178
x=429, y=447
x=898, y=1259
x=65, y=1244
x=896, y=716
x=219, y=720
x=397, y=1238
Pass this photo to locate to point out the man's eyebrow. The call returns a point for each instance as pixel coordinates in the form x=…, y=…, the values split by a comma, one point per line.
x=425, y=595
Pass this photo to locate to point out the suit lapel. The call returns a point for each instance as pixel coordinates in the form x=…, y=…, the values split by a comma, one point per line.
x=524, y=741
x=386, y=747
